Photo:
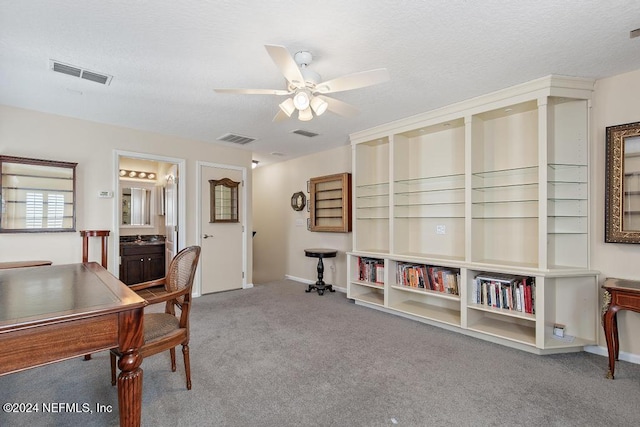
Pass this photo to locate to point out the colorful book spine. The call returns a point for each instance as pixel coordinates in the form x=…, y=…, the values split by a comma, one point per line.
x=513, y=293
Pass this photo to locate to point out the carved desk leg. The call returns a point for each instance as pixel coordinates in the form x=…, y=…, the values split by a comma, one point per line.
x=130, y=378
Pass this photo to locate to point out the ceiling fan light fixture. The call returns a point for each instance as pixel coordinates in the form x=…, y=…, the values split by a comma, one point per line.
x=301, y=100
x=288, y=107
x=305, y=115
x=319, y=105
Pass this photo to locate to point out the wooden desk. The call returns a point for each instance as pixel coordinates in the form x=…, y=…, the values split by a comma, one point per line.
x=320, y=286
x=49, y=314
x=618, y=295
x=22, y=264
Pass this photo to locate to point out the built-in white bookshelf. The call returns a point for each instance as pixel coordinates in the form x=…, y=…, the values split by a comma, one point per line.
x=496, y=185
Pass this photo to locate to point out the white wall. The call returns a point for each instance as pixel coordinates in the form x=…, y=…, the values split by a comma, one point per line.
x=280, y=241
x=31, y=134
x=616, y=101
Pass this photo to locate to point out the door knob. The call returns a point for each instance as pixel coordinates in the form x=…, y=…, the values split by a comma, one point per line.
x=206, y=236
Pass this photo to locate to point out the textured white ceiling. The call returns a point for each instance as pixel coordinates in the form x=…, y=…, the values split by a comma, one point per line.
x=167, y=56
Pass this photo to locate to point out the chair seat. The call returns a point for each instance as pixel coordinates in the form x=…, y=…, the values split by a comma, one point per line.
x=159, y=325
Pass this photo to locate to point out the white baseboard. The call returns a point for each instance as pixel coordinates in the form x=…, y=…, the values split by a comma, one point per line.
x=247, y=286
x=311, y=282
x=602, y=351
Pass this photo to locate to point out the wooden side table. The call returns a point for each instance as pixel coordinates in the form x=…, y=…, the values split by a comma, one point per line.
x=320, y=286
x=619, y=295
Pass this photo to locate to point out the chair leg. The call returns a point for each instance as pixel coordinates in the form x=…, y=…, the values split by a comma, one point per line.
x=113, y=368
x=172, y=351
x=187, y=364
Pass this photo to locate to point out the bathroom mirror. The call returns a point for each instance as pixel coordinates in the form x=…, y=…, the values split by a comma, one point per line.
x=622, y=209
x=136, y=206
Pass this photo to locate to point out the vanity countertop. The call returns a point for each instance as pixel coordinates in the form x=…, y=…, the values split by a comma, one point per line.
x=144, y=240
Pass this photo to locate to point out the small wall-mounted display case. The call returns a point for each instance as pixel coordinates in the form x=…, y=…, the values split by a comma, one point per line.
x=224, y=200
x=330, y=198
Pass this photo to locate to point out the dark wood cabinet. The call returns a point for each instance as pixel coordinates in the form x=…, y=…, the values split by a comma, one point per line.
x=140, y=263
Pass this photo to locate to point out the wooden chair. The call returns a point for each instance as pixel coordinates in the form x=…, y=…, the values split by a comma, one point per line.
x=164, y=331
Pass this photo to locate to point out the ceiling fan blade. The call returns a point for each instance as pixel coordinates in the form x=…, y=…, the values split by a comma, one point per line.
x=288, y=67
x=354, y=81
x=339, y=107
x=280, y=116
x=254, y=91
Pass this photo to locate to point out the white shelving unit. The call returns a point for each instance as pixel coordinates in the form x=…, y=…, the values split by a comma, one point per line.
x=494, y=185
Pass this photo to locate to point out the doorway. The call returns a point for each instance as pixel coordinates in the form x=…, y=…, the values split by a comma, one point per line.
x=168, y=201
x=224, y=244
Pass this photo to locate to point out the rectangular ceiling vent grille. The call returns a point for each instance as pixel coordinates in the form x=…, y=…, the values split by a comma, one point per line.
x=305, y=133
x=236, y=139
x=75, y=71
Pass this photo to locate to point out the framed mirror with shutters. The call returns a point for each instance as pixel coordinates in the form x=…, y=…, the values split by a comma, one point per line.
x=224, y=200
x=37, y=195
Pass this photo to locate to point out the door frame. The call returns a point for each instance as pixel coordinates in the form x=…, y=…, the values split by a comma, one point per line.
x=243, y=214
x=181, y=164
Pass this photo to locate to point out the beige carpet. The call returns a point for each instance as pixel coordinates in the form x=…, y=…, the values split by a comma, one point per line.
x=277, y=356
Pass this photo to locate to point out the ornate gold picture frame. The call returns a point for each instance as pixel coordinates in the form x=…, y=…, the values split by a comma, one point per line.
x=622, y=191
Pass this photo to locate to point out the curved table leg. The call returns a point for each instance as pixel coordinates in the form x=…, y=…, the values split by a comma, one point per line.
x=611, y=335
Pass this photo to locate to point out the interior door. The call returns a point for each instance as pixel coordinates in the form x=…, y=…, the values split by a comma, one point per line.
x=171, y=216
x=221, y=259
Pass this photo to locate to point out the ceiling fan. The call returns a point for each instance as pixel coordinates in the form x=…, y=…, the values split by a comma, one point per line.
x=306, y=89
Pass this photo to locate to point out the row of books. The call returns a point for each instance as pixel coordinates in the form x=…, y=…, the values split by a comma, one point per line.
x=371, y=270
x=439, y=279
x=516, y=293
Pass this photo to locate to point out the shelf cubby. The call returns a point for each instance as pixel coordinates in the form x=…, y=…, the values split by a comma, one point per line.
x=429, y=191
x=371, y=196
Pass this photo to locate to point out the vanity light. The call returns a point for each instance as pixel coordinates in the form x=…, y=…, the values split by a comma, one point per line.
x=125, y=173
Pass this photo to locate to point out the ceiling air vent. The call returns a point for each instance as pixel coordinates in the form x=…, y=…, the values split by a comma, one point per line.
x=75, y=71
x=305, y=133
x=236, y=139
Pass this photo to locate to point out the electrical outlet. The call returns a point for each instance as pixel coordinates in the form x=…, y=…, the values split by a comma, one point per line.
x=441, y=229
